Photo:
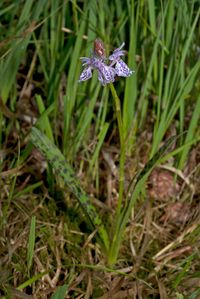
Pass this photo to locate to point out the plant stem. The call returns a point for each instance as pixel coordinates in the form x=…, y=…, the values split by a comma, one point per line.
x=112, y=252
x=122, y=148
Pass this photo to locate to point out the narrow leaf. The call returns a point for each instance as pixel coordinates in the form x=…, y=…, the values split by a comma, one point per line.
x=31, y=243
x=64, y=171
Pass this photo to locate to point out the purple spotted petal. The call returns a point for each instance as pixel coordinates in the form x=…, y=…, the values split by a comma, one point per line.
x=101, y=79
x=122, y=69
x=86, y=61
x=86, y=74
x=97, y=63
x=108, y=73
x=106, y=77
x=117, y=53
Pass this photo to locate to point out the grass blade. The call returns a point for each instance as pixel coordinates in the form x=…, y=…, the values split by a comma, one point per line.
x=31, y=243
x=191, y=133
x=130, y=95
x=31, y=280
x=60, y=292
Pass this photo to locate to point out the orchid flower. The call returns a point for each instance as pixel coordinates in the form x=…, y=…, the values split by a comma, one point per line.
x=106, y=73
x=121, y=68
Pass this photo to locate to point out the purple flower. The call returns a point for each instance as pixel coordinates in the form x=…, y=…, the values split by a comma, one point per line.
x=106, y=73
x=117, y=53
x=121, y=67
x=86, y=74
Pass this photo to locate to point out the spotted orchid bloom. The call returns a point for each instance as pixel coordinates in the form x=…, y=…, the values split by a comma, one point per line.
x=121, y=68
x=106, y=73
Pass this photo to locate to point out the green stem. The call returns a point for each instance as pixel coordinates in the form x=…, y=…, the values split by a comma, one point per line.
x=122, y=148
x=113, y=250
x=140, y=180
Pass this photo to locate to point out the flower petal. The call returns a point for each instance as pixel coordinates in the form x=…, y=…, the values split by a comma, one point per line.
x=117, y=53
x=86, y=61
x=106, y=74
x=101, y=79
x=122, y=69
x=109, y=73
x=86, y=74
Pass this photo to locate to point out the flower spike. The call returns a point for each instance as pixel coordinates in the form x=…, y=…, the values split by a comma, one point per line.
x=106, y=72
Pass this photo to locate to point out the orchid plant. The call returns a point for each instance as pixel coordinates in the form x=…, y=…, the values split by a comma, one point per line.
x=108, y=68
x=109, y=240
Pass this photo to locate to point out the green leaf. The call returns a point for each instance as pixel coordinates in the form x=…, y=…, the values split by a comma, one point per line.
x=66, y=173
